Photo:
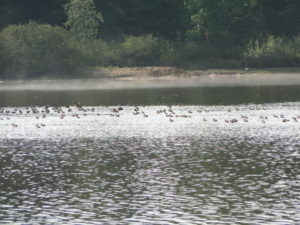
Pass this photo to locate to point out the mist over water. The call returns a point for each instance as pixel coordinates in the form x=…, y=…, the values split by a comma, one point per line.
x=152, y=82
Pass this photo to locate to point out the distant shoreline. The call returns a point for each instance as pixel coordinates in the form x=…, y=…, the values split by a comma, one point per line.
x=164, y=73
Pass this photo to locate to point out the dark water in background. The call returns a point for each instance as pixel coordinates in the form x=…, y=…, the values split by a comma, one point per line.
x=132, y=169
x=154, y=96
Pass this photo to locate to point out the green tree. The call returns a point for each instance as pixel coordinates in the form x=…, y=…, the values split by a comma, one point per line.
x=83, y=19
x=224, y=21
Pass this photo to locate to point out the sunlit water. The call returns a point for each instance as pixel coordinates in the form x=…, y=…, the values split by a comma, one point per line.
x=225, y=152
x=234, y=164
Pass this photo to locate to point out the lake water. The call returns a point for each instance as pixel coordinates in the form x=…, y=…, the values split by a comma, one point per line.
x=185, y=154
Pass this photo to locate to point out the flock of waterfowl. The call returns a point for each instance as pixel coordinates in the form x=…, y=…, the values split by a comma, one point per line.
x=78, y=111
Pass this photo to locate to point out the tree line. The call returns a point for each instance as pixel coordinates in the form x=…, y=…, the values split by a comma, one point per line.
x=234, y=20
x=188, y=33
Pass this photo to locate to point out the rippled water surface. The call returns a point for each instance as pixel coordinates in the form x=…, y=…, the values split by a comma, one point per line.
x=221, y=154
x=236, y=164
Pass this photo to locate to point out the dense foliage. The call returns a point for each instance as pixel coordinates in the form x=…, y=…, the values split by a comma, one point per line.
x=275, y=52
x=34, y=49
x=187, y=33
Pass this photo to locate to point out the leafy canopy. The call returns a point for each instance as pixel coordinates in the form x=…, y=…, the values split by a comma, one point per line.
x=83, y=20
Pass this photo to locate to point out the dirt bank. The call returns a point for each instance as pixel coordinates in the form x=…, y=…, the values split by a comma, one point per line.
x=158, y=72
x=178, y=73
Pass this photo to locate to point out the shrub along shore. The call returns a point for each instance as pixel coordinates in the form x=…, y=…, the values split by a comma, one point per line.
x=34, y=50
